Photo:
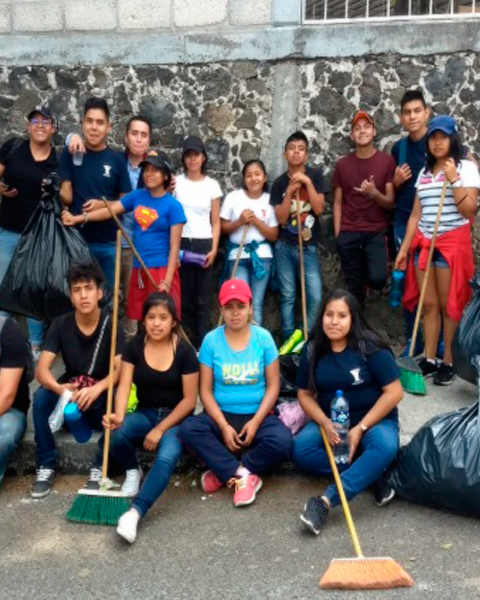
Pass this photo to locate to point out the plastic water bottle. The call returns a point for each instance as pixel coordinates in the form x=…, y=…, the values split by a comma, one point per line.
x=340, y=416
x=56, y=419
x=192, y=258
x=396, y=289
x=77, y=423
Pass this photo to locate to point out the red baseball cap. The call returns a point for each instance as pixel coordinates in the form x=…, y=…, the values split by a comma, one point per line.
x=234, y=289
x=361, y=114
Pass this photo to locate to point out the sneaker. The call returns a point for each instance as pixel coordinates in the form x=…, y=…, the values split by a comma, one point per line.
x=315, y=514
x=131, y=485
x=43, y=482
x=445, y=374
x=210, y=483
x=428, y=367
x=246, y=489
x=383, y=491
x=128, y=524
x=94, y=479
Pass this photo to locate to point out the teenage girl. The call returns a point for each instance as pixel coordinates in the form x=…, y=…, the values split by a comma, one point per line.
x=250, y=207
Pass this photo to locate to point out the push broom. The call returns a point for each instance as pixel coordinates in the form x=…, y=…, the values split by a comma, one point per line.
x=105, y=505
x=359, y=573
x=411, y=375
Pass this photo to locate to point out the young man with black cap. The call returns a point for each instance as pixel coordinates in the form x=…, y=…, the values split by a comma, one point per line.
x=200, y=197
x=23, y=166
x=363, y=197
x=102, y=173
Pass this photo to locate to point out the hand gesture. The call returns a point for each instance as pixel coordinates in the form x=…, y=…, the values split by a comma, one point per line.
x=367, y=187
x=249, y=431
x=91, y=205
x=402, y=174
x=354, y=437
x=231, y=439
x=401, y=260
x=300, y=178
x=293, y=187
x=68, y=219
x=331, y=433
x=76, y=144
x=152, y=439
x=115, y=421
x=246, y=216
x=209, y=259
x=450, y=169
x=6, y=191
x=85, y=397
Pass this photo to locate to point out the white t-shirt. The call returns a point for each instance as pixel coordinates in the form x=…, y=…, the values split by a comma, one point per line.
x=429, y=190
x=196, y=198
x=233, y=206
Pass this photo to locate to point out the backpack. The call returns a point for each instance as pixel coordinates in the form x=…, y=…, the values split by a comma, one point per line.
x=30, y=368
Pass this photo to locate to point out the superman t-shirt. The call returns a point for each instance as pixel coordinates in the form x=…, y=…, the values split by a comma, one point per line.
x=153, y=219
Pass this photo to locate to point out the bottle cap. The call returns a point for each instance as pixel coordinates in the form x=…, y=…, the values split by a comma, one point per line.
x=71, y=410
x=339, y=393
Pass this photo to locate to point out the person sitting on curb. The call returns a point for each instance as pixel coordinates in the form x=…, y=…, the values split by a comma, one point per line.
x=82, y=337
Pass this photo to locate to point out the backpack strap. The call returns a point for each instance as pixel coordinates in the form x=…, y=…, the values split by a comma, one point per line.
x=402, y=151
x=98, y=344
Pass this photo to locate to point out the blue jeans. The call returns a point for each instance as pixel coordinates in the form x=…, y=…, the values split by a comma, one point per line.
x=258, y=286
x=288, y=270
x=44, y=402
x=8, y=243
x=12, y=427
x=130, y=436
x=104, y=252
x=377, y=449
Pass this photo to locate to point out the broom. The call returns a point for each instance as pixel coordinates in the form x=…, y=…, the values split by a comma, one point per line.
x=105, y=505
x=359, y=573
x=411, y=375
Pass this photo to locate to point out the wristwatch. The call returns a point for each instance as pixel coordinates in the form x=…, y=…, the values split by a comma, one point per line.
x=363, y=427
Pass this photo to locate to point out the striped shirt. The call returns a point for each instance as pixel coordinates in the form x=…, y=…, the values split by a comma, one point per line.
x=429, y=189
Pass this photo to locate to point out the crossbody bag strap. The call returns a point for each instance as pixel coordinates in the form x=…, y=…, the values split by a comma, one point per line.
x=98, y=344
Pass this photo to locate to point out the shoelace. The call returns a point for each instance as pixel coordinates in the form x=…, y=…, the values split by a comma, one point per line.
x=44, y=474
x=237, y=482
x=132, y=479
x=95, y=475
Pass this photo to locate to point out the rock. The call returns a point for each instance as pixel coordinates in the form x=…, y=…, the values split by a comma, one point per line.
x=218, y=118
x=26, y=101
x=59, y=103
x=385, y=122
x=258, y=86
x=121, y=102
x=218, y=153
x=5, y=102
x=248, y=152
x=158, y=110
x=101, y=78
x=331, y=105
x=247, y=120
x=39, y=78
x=409, y=74
x=245, y=70
x=215, y=82
x=66, y=80
x=340, y=80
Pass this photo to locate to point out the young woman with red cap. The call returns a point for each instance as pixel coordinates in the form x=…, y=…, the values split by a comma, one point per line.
x=239, y=385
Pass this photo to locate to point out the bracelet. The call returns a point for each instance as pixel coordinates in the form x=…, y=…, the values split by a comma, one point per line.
x=85, y=218
x=452, y=182
x=464, y=198
x=457, y=183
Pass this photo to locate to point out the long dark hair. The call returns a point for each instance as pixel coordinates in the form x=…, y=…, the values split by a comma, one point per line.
x=455, y=151
x=163, y=299
x=361, y=337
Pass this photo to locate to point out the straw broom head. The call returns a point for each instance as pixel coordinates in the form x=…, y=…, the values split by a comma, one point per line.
x=365, y=574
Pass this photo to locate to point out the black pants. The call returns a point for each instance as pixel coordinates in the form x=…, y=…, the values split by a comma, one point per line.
x=364, y=258
x=196, y=292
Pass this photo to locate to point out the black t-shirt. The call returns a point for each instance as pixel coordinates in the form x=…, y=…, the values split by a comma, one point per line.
x=77, y=349
x=160, y=389
x=289, y=232
x=13, y=355
x=102, y=173
x=25, y=174
x=360, y=378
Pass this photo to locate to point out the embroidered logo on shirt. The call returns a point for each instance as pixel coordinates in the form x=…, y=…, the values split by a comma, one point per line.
x=106, y=170
x=356, y=376
x=244, y=374
x=145, y=216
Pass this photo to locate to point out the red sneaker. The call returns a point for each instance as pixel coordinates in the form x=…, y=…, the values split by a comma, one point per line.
x=245, y=489
x=210, y=483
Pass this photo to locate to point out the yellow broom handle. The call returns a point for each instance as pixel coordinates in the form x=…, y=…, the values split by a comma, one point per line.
x=343, y=498
x=302, y=268
x=113, y=349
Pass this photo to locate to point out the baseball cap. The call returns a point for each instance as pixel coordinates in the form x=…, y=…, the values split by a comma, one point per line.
x=41, y=110
x=443, y=123
x=159, y=160
x=361, y=114
x=234, y=289
x=192, y=142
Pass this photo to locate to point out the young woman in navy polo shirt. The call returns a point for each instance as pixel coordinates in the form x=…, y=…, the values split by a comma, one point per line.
x=346, y=354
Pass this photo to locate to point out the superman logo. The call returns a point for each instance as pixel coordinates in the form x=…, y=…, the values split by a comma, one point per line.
x=145, y=216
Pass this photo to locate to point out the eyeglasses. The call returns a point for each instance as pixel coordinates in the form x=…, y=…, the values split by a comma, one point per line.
x=37, y=121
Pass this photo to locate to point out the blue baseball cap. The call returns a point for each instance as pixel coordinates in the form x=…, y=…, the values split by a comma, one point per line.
x=443, y=123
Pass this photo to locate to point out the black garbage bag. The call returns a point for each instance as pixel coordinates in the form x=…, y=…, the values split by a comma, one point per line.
x=35, y=283
x=288, y=376
x=440, y=467
x=466, y=343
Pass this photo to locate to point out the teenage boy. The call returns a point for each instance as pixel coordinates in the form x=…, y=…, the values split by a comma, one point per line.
x=103, y=172
x=14, y=394
x=305, y=186
x=363, y=196
x=83, y=338
x=23, y=166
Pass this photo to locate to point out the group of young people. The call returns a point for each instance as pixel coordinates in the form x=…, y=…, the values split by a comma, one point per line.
x=171, y=219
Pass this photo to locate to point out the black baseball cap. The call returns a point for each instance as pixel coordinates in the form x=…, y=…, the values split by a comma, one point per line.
x=41, y=110
x=192, y=142
x=159, y=160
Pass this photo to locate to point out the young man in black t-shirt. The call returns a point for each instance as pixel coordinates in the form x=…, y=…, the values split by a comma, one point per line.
x=83, y=339
x=103, y=172
x=14, y=394
x=308, y=185
x=23, y=166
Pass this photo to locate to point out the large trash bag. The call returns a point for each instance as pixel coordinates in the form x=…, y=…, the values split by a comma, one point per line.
x=35, y=283
x=288, y=375
x=466, y=343
x=440, y=467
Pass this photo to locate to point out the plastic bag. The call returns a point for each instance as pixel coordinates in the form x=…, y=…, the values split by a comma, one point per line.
x=292, y=415
x=288, y=375
x=35, y=283
x=466, y=343
x=440, y=467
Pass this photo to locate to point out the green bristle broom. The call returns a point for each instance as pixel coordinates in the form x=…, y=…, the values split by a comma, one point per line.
x=105, y=505
x=411, y=375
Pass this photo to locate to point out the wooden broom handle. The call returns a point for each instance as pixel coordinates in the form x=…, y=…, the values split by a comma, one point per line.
x=113, y=349
x=343, y=498
x=302, y=268
x=427, y=271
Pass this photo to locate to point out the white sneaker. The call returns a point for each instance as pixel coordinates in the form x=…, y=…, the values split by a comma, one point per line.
x=131, y=485
x=127, y=525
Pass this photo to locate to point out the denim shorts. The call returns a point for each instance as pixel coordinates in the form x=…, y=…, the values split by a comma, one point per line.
x=438, y=260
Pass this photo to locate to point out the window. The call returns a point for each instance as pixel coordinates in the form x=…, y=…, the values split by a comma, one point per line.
x=346, y=10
